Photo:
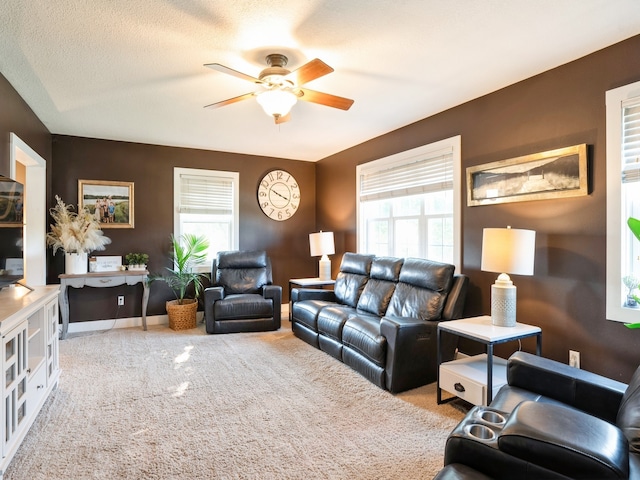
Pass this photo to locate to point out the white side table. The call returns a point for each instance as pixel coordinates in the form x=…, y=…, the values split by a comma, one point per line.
x=480, y=329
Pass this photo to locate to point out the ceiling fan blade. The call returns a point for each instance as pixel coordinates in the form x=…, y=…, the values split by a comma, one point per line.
x=283, y=118
x=231, y=71
x=229, y=101
x=316, y=68
x=325, y=99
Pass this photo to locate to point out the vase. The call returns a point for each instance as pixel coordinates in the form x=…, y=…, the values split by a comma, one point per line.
x=75, y=263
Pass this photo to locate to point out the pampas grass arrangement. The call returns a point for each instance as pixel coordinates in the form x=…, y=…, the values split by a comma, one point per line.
x=74, y=232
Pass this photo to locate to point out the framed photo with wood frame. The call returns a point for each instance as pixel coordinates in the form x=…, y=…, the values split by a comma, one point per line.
x=110, y=202
x=554, y=174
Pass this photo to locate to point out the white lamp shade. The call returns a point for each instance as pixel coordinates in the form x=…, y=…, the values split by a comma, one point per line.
x=277, y=102
x=321, y=243
x=508, y=250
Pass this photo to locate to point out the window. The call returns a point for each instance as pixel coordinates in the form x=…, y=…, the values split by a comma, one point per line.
x=623, y=198
x=206, y=203
x=409, y=203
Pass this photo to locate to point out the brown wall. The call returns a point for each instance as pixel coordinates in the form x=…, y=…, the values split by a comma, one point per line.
x=150, y=167
x=562, y=107
x=16, y=117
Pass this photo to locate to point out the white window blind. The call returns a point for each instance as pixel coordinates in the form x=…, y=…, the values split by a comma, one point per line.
x=631, y=142
x=429, y=173
x=206, y=195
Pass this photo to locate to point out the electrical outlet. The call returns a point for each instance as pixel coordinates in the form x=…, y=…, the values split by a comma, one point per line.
x=574, y=358
x=120, y=300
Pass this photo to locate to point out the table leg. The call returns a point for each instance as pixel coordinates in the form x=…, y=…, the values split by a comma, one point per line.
x=489, y=373
x=438, y=361
x=63, y=300
x=145, y=301
x=539, y=344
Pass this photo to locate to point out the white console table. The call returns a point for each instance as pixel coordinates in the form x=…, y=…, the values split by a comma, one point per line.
x=101, y=280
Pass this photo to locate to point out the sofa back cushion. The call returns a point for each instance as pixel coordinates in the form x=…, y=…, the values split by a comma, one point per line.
x=629, y=413
x=353, y=276
x=242, y=272
x=422, y=289
x=385, y=272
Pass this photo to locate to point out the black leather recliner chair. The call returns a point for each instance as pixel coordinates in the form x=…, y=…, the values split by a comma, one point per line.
x=550, y=421
x=243, y=297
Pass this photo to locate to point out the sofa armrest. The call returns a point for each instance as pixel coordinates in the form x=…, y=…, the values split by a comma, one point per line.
x=299, y=294
x=211, y=295
x=274, y=292
x=565, y=440
x=454, y=305
x=411, y=352
x=594, y=394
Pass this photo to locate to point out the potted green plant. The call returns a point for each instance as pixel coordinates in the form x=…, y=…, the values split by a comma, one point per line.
x=76, y=234
x=188, y=253
x=136, y=261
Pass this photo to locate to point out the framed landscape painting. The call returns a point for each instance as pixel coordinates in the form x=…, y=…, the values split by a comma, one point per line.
x=554, y=174
x=110, y=202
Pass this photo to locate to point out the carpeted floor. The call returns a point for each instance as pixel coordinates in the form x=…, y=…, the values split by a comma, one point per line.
x=186, y=405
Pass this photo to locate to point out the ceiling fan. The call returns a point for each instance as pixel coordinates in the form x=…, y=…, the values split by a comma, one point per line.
x=281, y=88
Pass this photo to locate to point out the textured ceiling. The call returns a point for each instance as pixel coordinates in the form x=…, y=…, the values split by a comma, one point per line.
x=133, y=69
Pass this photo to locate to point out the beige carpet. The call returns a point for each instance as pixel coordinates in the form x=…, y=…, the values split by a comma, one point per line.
x=186, y=405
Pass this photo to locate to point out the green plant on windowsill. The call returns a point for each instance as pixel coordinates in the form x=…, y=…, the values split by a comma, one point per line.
x=634, y=225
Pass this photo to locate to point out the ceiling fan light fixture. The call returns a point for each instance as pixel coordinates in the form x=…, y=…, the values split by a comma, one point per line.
x=277, y=102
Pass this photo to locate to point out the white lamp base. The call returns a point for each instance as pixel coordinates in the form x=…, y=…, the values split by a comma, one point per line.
x=503, y=302
x=324, y=268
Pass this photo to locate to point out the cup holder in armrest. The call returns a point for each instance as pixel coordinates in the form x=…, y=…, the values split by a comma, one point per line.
x=479, y=432
x=490, y=416
x=481, y=424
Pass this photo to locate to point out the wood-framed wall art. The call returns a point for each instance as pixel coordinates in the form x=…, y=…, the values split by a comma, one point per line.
x=111, y=202
x=556, y=173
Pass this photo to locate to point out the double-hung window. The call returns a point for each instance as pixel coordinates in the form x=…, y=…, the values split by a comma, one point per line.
x=623, y=201
x=409, y=203
x=206, y=203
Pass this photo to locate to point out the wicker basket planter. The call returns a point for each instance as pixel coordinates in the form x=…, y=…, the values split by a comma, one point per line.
x=182, y=317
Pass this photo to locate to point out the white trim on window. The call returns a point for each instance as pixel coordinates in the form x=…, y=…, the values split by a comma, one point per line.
x=419, y=170
x=207, y=192
x=617, y=162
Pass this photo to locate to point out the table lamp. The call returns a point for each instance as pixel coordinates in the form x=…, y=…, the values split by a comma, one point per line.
x=321, y=243
x=506, y=251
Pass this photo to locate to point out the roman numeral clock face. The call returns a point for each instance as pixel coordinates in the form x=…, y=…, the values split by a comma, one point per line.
x=279, y=195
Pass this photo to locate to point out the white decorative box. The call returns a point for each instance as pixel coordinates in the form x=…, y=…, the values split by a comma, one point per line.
x=105, y=263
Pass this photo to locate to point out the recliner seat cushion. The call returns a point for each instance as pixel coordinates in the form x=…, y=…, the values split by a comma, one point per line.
x=306, y=312
x=237, y=307
x=331, y=320
x=362, y=333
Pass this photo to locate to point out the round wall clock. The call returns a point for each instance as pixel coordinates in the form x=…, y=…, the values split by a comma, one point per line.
x=278, y=195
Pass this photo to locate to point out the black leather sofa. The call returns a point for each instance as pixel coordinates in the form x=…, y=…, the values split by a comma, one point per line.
x=382, y=316
x=551, y=421
x=242, y=297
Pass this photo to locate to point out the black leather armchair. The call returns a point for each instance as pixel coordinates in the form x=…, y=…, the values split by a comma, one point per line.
x=550, y=421
x=243, y=297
